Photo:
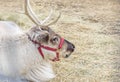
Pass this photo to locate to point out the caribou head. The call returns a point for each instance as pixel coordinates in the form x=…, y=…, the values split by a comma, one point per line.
x=50, y=44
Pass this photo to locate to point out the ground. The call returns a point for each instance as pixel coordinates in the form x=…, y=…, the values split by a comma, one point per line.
x=92, y=25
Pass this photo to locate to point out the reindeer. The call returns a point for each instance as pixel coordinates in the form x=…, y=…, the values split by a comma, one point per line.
x=26, y=55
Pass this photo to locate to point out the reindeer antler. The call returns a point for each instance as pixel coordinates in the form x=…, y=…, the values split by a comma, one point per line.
x=29, y=12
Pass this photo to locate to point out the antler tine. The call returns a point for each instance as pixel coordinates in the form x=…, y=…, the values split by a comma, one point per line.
x=47, y=18
x=30, y=13
x=53, y=22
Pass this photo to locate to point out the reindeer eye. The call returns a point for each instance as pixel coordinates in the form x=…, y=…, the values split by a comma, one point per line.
x=55, y=39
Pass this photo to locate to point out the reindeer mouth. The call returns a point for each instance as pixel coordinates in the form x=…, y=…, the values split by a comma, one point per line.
x=67, y=55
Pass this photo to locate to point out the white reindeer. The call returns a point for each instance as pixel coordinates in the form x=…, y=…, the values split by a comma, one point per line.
x=25, y=56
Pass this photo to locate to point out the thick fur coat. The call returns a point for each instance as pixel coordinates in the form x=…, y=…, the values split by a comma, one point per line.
x=19, y=57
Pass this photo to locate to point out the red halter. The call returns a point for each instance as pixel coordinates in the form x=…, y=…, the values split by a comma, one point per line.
x=51, y=49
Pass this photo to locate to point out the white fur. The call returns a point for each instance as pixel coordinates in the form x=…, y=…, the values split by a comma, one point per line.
x=19, y=57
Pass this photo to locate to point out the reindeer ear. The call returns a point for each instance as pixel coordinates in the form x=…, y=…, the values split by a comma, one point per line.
x=38, y=35
x=43, y=37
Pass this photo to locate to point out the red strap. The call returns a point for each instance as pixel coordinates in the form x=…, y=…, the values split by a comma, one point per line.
x=56, y=58
x=48, y=48
x=40, y=51
x=61, y=43
x=51, y=49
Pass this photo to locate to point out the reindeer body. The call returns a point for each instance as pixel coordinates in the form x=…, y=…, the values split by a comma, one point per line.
x=8, y=28
x=19, y=56
x=26, y=55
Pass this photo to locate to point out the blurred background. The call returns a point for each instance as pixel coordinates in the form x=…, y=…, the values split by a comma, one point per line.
x=92, y=25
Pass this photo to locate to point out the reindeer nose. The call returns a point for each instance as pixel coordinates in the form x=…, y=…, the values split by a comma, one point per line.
x=70, y=46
